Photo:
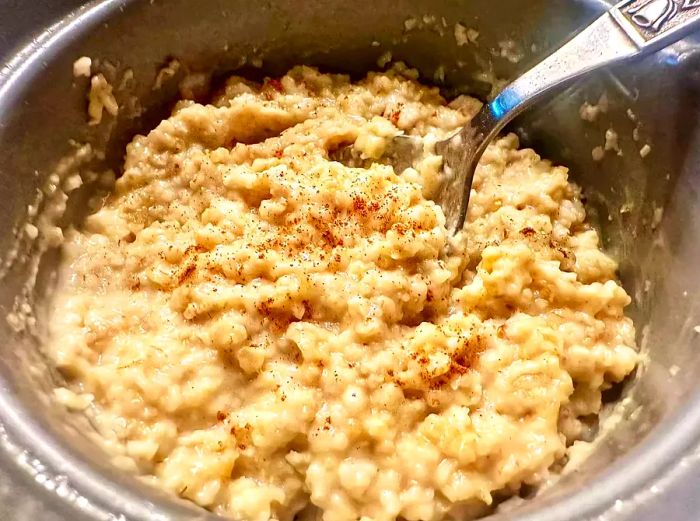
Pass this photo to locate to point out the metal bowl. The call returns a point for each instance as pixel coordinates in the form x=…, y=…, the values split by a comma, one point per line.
x=644, y=466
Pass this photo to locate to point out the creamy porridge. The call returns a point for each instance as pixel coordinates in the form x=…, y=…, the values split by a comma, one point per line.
x=262, y=330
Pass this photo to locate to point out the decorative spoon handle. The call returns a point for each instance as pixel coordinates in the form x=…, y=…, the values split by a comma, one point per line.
x=630, y=29
x=656, y=23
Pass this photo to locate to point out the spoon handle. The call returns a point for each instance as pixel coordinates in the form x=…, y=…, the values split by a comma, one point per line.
x=654, y=24
x=632, y=28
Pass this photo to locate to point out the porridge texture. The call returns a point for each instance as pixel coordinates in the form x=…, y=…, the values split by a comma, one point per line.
x=265, y=331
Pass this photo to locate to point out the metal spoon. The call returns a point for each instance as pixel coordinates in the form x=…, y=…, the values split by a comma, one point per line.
x=630, y=29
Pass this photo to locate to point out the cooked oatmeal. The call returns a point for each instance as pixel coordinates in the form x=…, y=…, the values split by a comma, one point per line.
x=263, y=330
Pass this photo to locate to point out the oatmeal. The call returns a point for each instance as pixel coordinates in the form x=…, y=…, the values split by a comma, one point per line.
x=263, y=330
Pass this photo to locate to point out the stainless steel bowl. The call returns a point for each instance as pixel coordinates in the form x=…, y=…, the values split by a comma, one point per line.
x=645, y=467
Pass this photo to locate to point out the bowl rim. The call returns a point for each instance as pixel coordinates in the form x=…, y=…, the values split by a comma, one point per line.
x=645, y=464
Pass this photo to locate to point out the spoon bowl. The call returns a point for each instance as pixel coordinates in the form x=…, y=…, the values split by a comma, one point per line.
x=628, y=30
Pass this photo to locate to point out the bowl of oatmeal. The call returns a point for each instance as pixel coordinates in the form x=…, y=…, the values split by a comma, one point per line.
x=229, y=322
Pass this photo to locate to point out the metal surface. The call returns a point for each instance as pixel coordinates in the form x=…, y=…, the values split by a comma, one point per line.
x=656, y=22
x=645, y=468
x=628, y=30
